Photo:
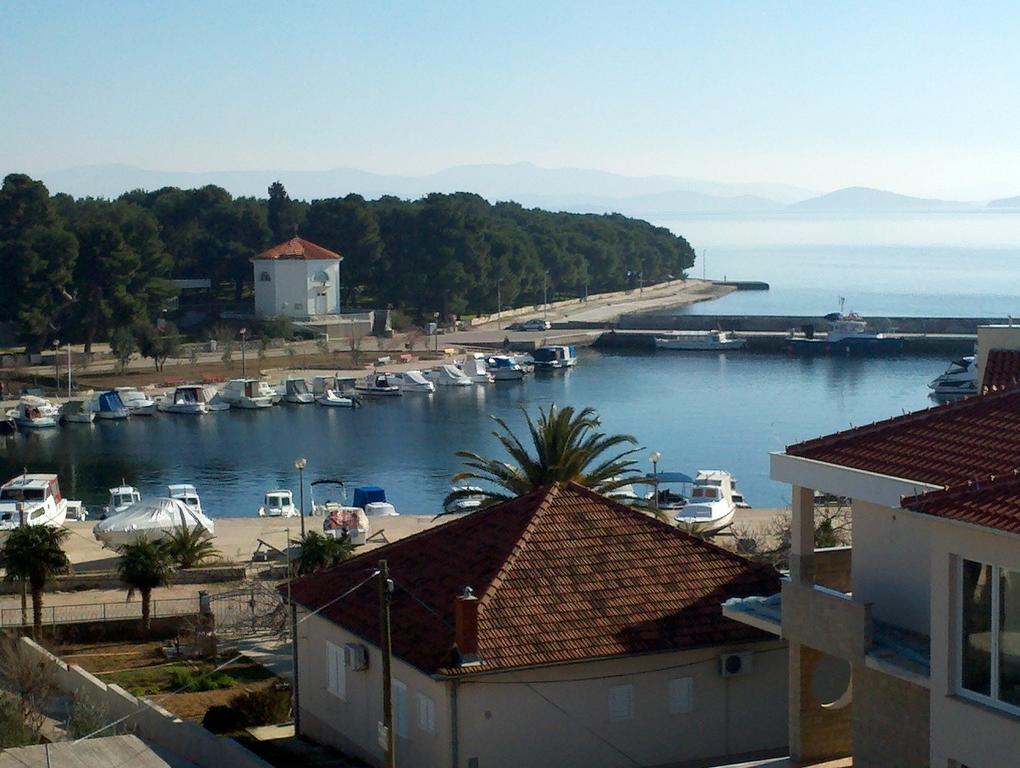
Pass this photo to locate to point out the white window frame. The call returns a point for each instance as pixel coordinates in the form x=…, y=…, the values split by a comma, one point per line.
x=426, y=714
x=616, y=715
x=674, y=686
x=336, y=671
x=993, y=699
x=400, y=714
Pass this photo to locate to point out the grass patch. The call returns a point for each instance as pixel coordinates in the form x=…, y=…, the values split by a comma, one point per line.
x=186, y=678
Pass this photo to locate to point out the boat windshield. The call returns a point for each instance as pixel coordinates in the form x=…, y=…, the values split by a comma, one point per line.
x=275, y=500
x=26, y=494
x=705, y=492
x=122, y=498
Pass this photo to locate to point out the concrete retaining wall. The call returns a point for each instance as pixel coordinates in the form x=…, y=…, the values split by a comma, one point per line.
x=147, y=719
x=783, y=323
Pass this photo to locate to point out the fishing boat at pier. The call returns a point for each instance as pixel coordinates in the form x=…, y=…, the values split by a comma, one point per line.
x=34, y=499
x=34, y=412
x=710, y=507
x=554, y=357
x=700, y=341
x=848, y=335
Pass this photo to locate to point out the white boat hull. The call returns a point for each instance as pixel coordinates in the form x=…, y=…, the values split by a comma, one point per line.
x=43, y=422
x=187, y=409
x=683, y=345
x=113, y=415
x=143, y=410
x=335, y=401
x=79, y=418
x=303, y=399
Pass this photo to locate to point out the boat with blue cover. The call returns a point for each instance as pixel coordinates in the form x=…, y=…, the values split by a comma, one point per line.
x=554, y=357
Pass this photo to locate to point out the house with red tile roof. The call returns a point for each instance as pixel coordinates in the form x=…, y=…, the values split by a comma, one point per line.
x=297, y=279
x=556, y=629
x=925, y=633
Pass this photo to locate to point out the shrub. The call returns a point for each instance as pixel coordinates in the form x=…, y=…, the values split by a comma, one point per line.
x=87, y=717
x=262, y=707
x=220, y=718
x=193, y=681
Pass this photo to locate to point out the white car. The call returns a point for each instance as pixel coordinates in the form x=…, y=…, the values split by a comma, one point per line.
x=536, y=324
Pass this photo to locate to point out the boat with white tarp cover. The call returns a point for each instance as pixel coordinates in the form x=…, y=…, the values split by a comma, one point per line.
x=152, y=519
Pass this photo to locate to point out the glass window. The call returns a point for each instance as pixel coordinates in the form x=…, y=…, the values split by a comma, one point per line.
x=1009, y=636
x=976, y=628
x=621, y=702
x=400, y=709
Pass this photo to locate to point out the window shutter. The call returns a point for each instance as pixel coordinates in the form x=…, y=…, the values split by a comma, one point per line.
x=681, y=695
x=621, y=702
x=426, y=714
x=400, y=709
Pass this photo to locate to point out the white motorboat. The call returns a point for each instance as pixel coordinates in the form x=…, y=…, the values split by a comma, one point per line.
x=278, y=503
x=245, y=393
x=190, y=399
x=76, y=412
x=121, y=497
x=186, y=493
x=474, y=368
x=36, y=499
x=152, y=519
x=267, y=390
x=700, y=341
x=959, y=380
x=108, y=406
x=377, y=385
x=448, y=376
x=711, y=507
x=34, y=413
x=295, y=391
x=137, y=402
x=470, y=500
x=339, y=521
x=331, y=399
x=505, y=368
x=554, y=357
x=413, y=381
x=342, y=385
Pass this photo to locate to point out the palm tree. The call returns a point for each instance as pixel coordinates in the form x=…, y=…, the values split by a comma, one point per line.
x=189, y=547
x=145, y=565
x=35, y=553
x=319, y=551
x=566, y=446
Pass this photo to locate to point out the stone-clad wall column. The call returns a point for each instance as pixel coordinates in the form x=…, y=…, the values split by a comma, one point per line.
x=802, y=536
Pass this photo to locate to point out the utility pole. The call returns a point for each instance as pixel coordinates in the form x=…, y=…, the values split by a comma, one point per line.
x=499, y=306
x=385, y=595
x=545, y=294
x=295, y=699
x=68, y=370
x=299, y=465
x=244, y=332
x=21, y=578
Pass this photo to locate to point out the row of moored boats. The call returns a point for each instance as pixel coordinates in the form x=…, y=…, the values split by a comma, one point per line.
x=34, y=412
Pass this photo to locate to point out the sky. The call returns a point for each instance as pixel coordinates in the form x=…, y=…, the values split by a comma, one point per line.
x=920, y=98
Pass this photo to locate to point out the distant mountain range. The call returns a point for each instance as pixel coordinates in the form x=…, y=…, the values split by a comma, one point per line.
x=568, y=189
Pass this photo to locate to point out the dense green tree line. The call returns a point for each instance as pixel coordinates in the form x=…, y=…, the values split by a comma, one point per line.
x=77, y=269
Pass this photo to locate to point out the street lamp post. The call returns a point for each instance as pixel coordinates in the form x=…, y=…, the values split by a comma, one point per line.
x=654, y=457
x=299, y=465
x=244, y=333
x=499, y=306
x=545, y=295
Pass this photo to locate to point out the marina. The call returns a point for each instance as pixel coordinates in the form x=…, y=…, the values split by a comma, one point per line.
x=725, y=410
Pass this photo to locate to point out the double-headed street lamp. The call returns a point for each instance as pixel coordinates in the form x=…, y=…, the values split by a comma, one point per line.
x=244, y=333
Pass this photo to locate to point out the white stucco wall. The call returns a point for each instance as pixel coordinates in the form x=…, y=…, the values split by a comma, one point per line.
x=976, y=735
x=292, y=287
x=891, y=564
x=504, y=723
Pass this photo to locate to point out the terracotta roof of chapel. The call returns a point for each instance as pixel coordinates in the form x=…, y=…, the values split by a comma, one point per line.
x=297, y=248
x=562, y=574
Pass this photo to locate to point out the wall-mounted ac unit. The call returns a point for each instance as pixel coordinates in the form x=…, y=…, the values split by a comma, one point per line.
x=733, y=664
x=355, y=657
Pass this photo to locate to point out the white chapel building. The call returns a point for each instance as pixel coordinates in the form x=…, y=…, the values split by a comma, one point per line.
x=298, y=279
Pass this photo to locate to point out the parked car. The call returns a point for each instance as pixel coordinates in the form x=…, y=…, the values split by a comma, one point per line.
x=536, y=324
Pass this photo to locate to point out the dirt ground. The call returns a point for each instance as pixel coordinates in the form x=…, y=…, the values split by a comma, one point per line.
x=138, y=665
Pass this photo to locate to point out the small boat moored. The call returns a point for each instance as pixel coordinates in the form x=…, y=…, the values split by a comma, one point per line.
x=186, y=493
x=474, y=368
x=959, y=379
x=505, y=368
x=121, y=497
x=34, y=413
x=296, y=391
x=555, y=357
x=412, y=381
x=189, y=399
x=377, y=385
x=848, y=335
x=372, y=499
x=470, y=499
x=448, y=376
x=34, y=499
x=137, y=402
x=278, y=503
x=76, y=412
x=700, y=341
x=245, y=393
x=108, y=406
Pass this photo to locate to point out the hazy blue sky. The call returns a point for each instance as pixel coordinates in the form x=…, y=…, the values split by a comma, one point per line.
x=918, y=97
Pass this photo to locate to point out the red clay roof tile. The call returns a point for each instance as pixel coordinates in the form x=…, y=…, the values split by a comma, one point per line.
x=562, y=574
x=300, y=249
x=945, y=445
x=1002, y=370
x=992, y=503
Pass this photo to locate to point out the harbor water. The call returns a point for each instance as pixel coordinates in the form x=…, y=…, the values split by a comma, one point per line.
x=701, y=411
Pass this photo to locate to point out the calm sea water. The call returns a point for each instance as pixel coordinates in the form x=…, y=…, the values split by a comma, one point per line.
x=963, y=264
x=700, y=412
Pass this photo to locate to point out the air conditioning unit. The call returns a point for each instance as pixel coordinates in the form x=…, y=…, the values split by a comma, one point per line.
x=355, y=657
x=733, y=664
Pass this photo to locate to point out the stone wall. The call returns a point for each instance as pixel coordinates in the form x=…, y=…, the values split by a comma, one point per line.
x=817, y=733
